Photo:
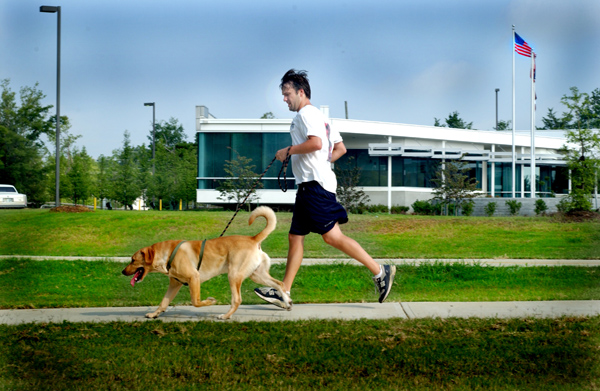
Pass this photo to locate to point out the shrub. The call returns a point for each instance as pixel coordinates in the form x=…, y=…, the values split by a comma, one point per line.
x=540, y=207
x=564, y=205
x=467, y=208
x=514, y=206
x=380, y=208
x=400, y=209
x=490, y=208
x=357, y=209
x=422, y=207
x=450, y=212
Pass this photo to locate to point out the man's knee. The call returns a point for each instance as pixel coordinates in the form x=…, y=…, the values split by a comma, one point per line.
x=333, y=238
x=295, y=239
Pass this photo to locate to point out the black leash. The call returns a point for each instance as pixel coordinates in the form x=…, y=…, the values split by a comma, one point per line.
x=283, y=169
x=284, y=165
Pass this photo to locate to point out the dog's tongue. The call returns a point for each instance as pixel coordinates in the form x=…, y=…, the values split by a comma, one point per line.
x=135, y=277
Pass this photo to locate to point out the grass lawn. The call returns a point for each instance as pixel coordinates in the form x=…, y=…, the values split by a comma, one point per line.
x=426, y=354
x=121, y=233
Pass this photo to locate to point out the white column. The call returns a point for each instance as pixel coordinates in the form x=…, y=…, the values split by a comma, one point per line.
x=523, y=172
x=390, y=179
x=533, y=170
x=493, y=173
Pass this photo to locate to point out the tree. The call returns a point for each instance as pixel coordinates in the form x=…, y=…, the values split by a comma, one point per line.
x=22, y=150
x=453, y=121
x=594, y=101
x=103, y=181
x=67, y=151
x=552, y=121
x=453, y=185
x=268, y=115
x=348, y=193
x=583, y=146
x=187, y=167
x=588, y=117
x=175, y=175
x=169, y=132
x=126, y=188
x=503, y=125
x=79, y=176
x=241, y=180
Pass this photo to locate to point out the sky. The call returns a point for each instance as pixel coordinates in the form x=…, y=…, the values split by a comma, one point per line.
x=391, y=60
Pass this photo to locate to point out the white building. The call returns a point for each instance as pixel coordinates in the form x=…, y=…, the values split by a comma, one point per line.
x=397, y=161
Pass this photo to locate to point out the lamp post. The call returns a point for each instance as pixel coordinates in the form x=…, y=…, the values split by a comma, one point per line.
x=497, y=89
x=53, y=9
x=153, y=130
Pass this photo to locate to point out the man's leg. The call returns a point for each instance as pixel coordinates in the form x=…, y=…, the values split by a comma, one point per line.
x=295, y=254
x=350, y=247
x=383, y=276
x=294, y=259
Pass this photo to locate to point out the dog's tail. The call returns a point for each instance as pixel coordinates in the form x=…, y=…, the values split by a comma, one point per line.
x=269, y=215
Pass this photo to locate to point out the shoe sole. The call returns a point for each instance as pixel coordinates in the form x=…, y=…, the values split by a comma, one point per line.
x=275, y=302
x=392, y=275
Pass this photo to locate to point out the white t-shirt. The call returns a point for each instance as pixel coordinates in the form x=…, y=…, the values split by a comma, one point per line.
x=314, y=166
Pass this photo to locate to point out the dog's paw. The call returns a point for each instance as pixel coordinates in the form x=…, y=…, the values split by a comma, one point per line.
x=212, y=300
x=223, y=317
x=152, y=315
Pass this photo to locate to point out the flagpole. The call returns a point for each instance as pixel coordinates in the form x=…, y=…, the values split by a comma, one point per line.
x=533, y=176
x=513, y=113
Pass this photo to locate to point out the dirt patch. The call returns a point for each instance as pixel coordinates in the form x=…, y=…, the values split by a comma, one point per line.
x=71, y=209
x=577, y=217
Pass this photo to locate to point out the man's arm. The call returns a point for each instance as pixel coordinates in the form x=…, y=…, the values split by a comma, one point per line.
x=311, y=145
x=339, y=149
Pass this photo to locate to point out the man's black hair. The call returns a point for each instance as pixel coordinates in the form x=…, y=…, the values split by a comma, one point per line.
x=298, y=80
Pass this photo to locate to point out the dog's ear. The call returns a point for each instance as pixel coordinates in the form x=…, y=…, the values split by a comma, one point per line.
x=148, y=253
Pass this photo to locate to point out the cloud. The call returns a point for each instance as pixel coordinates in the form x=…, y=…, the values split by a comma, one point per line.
x=442, y=78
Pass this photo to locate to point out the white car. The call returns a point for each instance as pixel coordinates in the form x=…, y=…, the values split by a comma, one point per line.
x=11, y=198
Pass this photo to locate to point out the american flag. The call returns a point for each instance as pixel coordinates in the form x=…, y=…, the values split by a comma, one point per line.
x=521, y=46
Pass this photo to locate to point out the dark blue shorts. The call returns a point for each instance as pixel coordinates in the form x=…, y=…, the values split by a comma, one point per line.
x=316, y=210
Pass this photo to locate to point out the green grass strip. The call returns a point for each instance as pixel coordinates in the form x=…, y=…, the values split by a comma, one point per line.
x=122, y=233
x=50, y=284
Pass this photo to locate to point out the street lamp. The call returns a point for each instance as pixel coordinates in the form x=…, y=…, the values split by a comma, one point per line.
x=52, y=10
x=497, y=89
x=153, y=130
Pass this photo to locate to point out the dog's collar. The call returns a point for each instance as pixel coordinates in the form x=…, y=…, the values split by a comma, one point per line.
x=177, y=248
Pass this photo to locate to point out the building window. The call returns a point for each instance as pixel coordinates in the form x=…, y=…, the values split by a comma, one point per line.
x=550, y=180
x=475, y=171
x=414, y=172
x=503, y=179
x=373, y=169
x=409, y=172
x=214, y=149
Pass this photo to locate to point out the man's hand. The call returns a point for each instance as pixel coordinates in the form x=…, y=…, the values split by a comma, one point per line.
x=282, y=153
x=311, y=145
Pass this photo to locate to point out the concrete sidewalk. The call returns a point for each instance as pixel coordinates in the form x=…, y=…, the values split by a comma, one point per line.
x=347, y=311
